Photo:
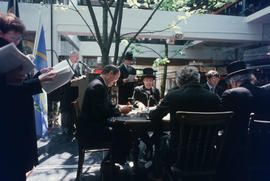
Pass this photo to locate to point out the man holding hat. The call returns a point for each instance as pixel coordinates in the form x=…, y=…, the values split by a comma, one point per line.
x=244, y=98
x=146, y=95
x=127, y=79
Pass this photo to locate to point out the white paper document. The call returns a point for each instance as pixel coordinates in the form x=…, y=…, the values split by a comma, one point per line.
x=63, y=75
x=11, y=58
x=131, y=78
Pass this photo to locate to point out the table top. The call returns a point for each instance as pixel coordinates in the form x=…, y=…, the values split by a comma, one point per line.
x=137, y=115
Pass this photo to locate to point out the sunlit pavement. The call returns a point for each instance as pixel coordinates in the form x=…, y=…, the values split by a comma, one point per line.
x=58, y=158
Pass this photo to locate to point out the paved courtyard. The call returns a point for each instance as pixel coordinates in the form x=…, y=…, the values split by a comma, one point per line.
x=58, y=158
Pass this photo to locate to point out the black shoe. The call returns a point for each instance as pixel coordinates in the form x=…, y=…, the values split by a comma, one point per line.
x=109, y=171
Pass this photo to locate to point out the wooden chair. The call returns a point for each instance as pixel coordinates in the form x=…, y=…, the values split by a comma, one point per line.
x=82, y=149
x=201, y=140
x=259, y=148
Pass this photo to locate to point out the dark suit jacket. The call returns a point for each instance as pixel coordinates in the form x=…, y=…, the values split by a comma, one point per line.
x=218, y=89
x=190, y=97
x=18, y=123
x=97, y=108
x=125, y=90
x=141, y=95
x=242, y=100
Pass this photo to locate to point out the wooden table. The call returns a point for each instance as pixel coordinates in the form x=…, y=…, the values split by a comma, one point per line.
x=140, y=125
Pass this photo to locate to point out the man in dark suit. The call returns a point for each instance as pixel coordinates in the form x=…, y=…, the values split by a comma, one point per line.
x=189, y=97
x=213, y=79
x=244, y=98
x=97, y=111
x=126, y=80
x=69, y=95
x=146, y=95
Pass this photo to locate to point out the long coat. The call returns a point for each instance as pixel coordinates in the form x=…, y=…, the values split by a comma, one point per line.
x=141, y=95
x=97, y=108
x=242, y=100
x=190, y=97
x=125, y=90
x=18, y=123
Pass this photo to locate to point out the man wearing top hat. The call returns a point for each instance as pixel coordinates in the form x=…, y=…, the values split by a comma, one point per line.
x=146, y=95
x=127, y=79
x=244, y=98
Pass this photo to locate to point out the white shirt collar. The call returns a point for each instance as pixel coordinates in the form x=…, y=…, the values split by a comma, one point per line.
x=209, y=86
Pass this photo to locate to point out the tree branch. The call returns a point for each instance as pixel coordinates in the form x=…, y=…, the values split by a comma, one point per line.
x=114, y=20
x=94, y=19
x=150, y=49
x=76, y=9
x=134, y=37
x=118, y=31
x=146, y=32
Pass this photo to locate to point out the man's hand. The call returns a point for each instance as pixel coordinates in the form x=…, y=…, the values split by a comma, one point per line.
x=125, y=80
x=136, y=79
x=125, y=109
x=46, y=70
x=48, y=77
x=15, y=77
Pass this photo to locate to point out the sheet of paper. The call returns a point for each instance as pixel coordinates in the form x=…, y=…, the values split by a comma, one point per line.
x=11, y=58
x=63, y=75
x=131, y=78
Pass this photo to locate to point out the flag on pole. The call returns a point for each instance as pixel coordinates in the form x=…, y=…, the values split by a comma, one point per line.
x=40, y=100
x=14, y=8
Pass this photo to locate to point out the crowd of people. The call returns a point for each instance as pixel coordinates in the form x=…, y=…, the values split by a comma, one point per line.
x=95, y=119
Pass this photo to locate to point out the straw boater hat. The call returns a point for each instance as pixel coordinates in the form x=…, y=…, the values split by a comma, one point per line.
x=129, y=56
x=148, y=72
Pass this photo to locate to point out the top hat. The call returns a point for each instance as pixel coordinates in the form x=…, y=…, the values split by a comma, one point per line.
x=237, y=67
x=148, y=72
x=129, y=56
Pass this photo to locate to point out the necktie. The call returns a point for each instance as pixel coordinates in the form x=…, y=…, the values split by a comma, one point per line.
x=128, y=68
x=213, y=89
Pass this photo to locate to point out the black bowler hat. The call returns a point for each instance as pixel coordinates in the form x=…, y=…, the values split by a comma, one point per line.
x=148, y=72
x=237, y=67
x=129, y=56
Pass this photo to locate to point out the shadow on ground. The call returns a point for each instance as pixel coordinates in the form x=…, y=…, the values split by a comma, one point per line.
x=58, y=158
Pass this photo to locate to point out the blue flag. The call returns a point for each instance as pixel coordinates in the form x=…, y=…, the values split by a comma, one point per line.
x=40, y=100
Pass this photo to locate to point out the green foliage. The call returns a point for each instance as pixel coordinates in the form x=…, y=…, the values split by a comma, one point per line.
x=195, y=6
x=160, y=61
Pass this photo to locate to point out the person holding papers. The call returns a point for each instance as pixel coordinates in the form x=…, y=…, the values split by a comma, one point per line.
x=127, y=79
x=69, y=95
x=16, y=108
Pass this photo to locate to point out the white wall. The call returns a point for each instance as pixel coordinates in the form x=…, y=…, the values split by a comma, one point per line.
x=198, y=27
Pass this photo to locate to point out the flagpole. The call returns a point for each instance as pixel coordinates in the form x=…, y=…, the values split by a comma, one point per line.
x=14, y=7
x=37, y=31
x=51, y=33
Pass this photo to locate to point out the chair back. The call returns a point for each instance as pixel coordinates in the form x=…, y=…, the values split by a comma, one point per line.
x=201, y=139
x=76, y=112
x=258, y=139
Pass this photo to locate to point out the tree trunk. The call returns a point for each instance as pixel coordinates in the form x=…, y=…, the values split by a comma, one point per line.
x=105, y=54
x=163, y=86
